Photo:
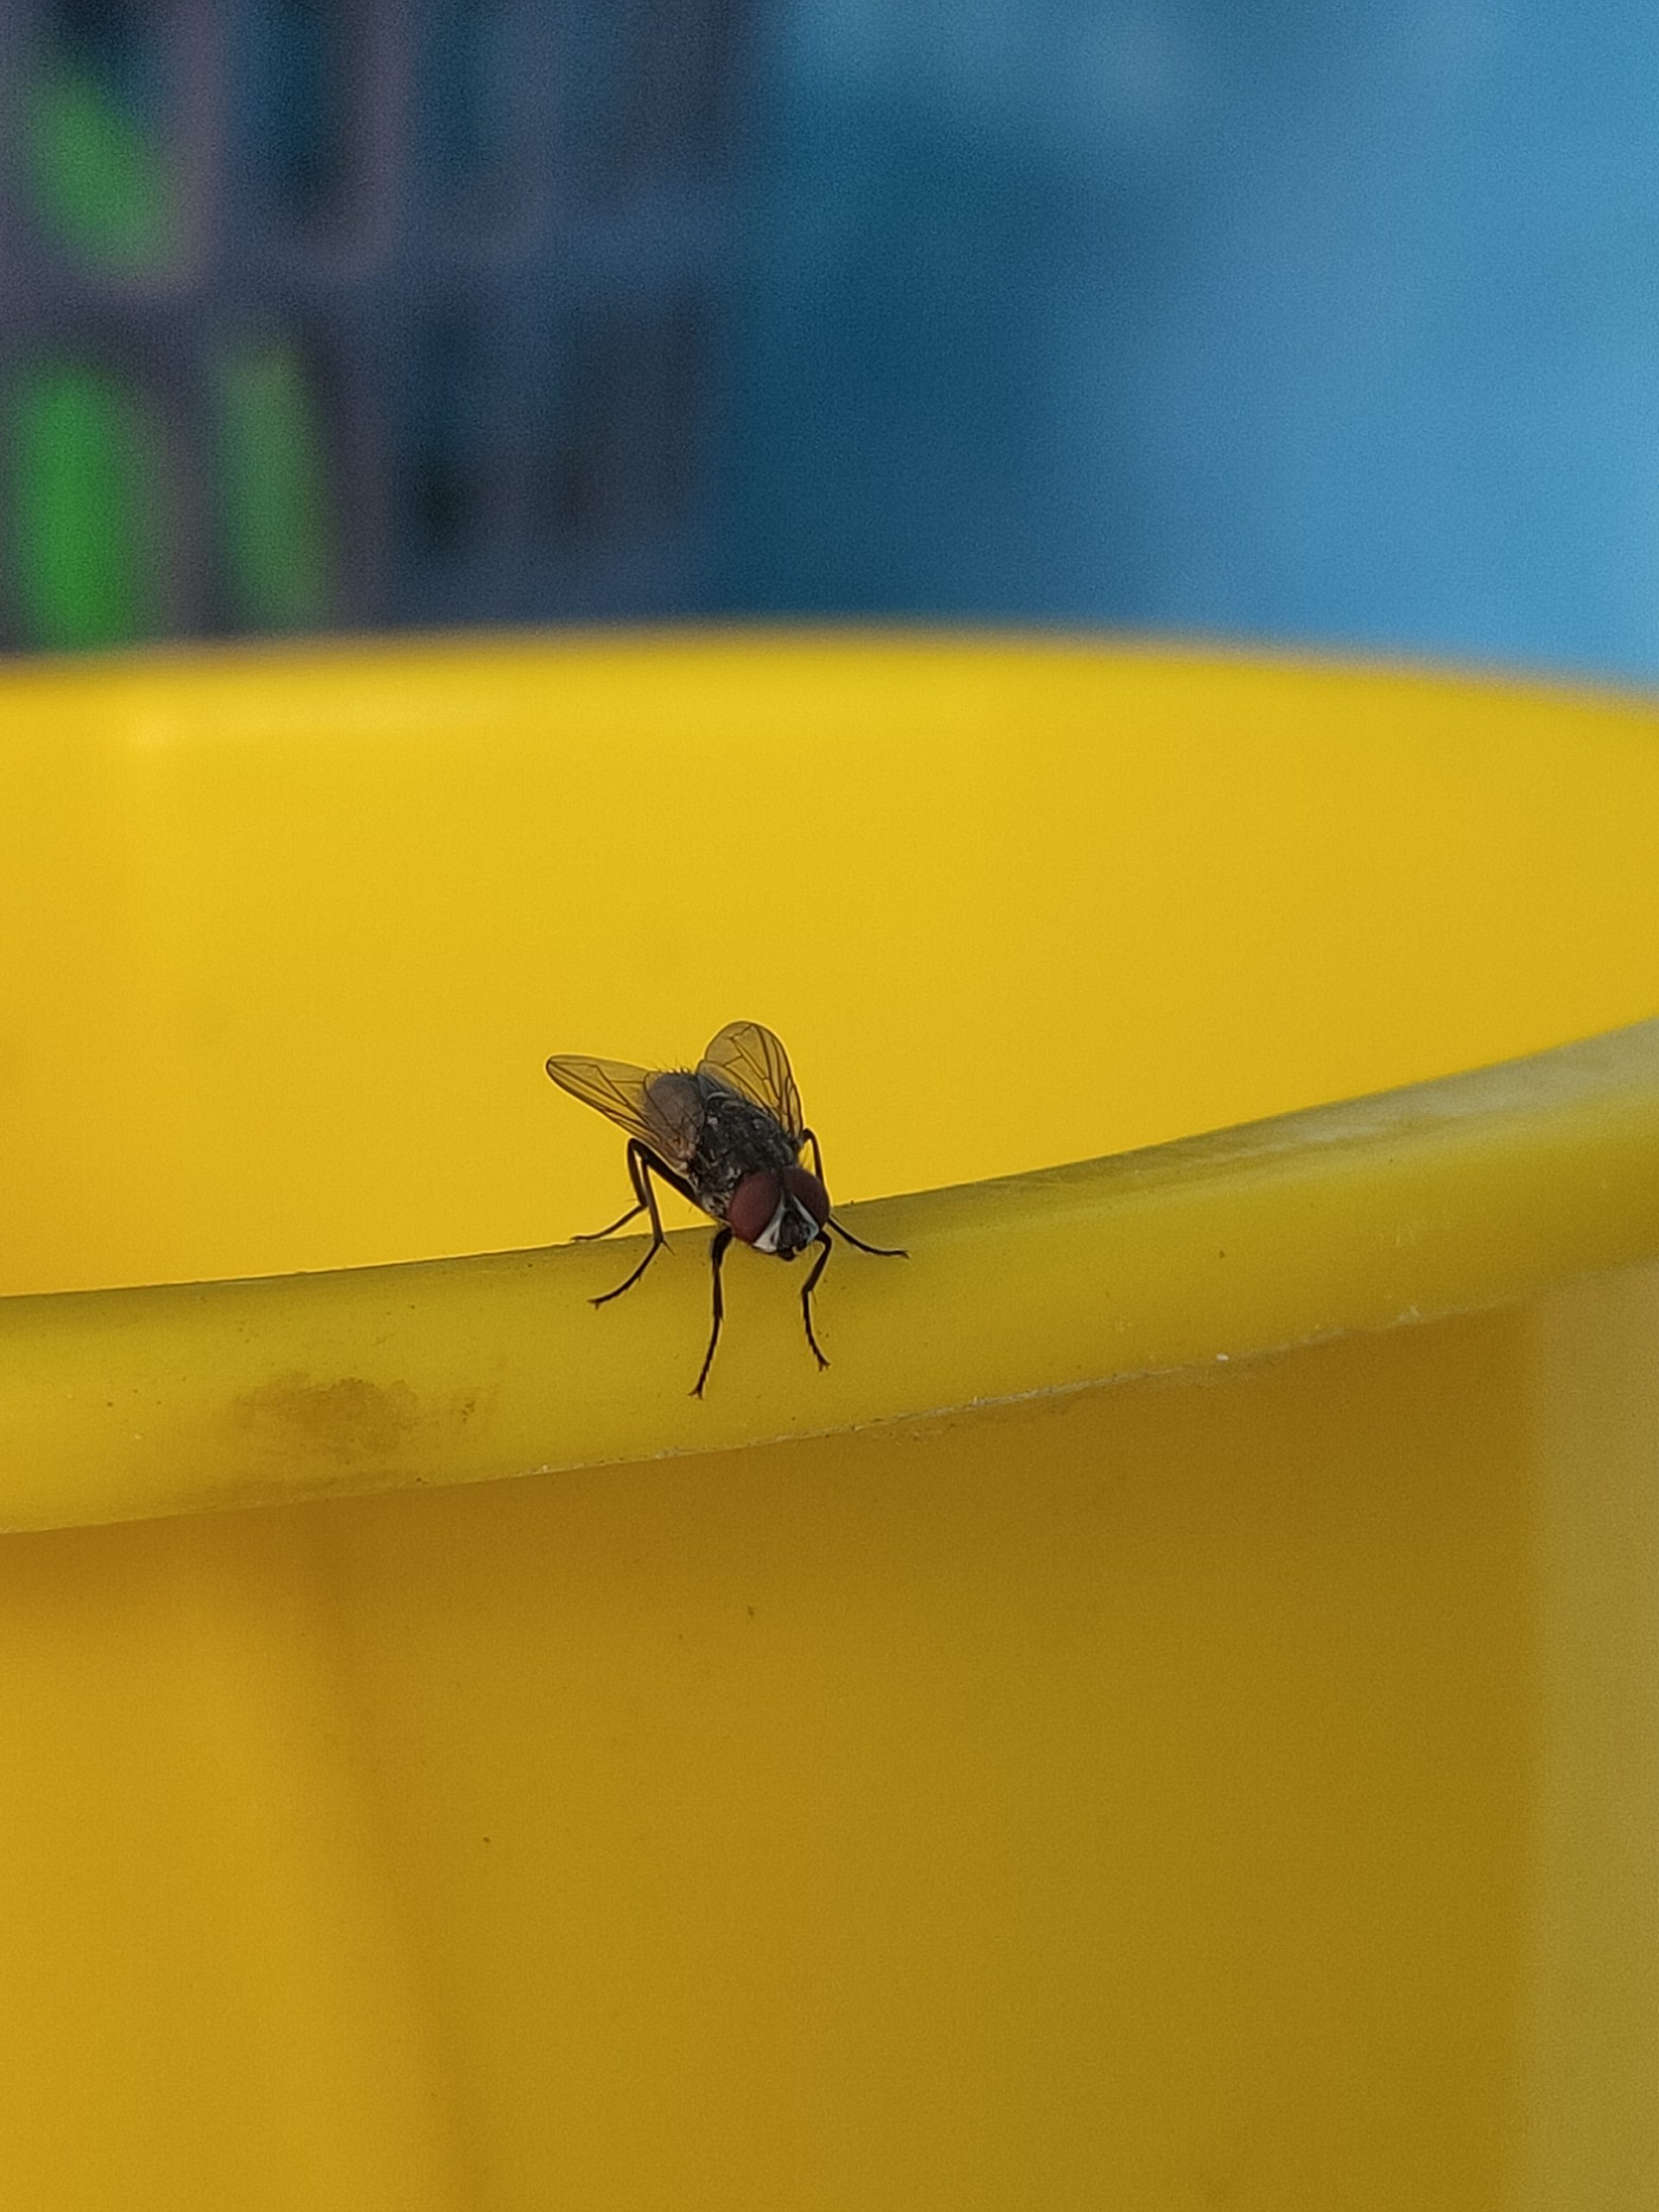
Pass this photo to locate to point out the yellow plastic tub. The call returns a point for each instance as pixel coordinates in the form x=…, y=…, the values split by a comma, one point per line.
x=1169, y=1719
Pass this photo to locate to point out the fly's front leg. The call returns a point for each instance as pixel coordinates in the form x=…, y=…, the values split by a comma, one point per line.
x=639, y=1169
x=809, y=1286
x=876, y=1252
x=716, y=1254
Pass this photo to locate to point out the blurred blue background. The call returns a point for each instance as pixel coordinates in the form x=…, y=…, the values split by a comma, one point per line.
x=1331, y=325
x=1335, y=323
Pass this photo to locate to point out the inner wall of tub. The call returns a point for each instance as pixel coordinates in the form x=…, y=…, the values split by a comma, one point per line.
x=290, y=939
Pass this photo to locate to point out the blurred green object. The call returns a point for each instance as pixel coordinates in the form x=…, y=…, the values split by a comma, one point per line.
x=102, y=180
x=327, y=268
x=105, y=186
x=277, y=553
x=87, y=483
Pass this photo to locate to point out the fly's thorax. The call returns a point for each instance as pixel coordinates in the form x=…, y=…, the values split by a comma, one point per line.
x=735, y=1139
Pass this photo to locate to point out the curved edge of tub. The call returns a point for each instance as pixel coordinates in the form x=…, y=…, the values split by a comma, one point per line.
x=1456, y=1195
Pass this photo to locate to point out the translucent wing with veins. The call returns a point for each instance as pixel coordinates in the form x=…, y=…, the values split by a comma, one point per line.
x=664, y=1111
x=749, y=1060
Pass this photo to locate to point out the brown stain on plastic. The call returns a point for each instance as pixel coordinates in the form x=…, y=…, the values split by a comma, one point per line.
x=350, y=1419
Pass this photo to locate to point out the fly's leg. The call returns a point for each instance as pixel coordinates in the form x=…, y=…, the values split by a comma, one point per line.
x=622, y=1220
x=876, y=1252
x=605, y=1298
x=639, y=1170
x=593, y=1236
x=809, y=1286
x=716, y=1254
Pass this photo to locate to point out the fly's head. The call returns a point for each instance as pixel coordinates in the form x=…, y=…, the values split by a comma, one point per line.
x=781, y=1214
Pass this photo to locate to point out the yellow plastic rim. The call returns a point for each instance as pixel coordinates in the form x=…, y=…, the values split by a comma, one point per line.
x=333, y=908
x=1446, y=1197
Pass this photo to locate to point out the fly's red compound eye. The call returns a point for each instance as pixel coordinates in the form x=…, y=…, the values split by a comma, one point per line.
x=754, y=1203
x=802, y=1184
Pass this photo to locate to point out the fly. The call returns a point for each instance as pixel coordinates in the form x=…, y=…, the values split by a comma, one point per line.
x=727, y=1135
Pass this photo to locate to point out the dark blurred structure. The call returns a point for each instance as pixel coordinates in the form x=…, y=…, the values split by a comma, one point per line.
x=320, y=312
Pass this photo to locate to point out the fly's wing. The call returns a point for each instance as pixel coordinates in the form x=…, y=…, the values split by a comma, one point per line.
x=749, y=1060
x=663, y=1111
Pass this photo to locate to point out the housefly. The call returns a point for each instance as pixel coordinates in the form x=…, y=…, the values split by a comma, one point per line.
x=727, y=1135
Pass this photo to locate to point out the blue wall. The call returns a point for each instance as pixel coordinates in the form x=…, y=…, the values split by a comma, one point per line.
x=1335, y=323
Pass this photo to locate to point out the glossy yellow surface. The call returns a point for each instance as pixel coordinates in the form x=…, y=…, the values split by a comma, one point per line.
x=976, y=1777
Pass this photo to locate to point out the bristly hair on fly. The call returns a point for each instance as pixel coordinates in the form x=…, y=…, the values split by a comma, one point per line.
x=727, y=1135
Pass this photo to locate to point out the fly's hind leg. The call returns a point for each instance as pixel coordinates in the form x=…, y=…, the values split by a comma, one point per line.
x=641, y=1202
x=596, y=1235
x=716, y=1254
x=640, y=1164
